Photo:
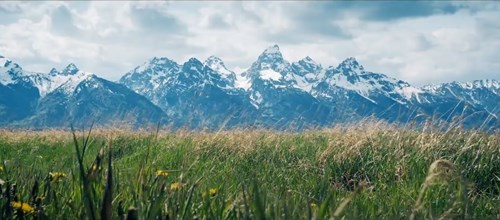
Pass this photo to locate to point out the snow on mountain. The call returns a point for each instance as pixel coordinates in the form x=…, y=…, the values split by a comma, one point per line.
x=71, y=69
x=68, y=79
x=479, y=93
x=242, y=82
x=410, y=92
x=155, y=73
x=69, y=85
x=270, y=66
x=271, y=92
x=160, y=77
x=269, y=74
x=270, y=59
x=487, y=83
x=351, y=76
x=9, y=71
x=308, y=68
x=68, y=97
x=350, y=66
x=490, y=84
x=217, y=65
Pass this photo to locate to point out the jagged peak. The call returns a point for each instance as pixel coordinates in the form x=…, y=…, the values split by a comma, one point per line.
x=192, y=64
x=53, y=71
x=194, y=60
x=4, y=60
x=216, y=64
x=484, y=83
x=350, y=63
x=270, y=55
x=309, y=60
x=70, y=69
x=275, y=49
x=213, y=59
x=161, y=61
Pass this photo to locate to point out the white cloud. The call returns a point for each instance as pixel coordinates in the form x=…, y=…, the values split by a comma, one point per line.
x=432, y=45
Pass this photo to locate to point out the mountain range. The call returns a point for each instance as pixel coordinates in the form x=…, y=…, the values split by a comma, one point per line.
x=272, y=93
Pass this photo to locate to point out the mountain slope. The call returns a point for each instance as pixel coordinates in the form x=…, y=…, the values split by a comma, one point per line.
x=485, y=93
x=94, y=99
x=275, y=93
x=281, y=95
x=18, y=96
x=193, y=94
x=271, y=93
x=59, y=99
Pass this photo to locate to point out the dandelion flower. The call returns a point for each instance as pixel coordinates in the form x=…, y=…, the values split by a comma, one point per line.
x=56, y=176
x=313, y=205
x=212, y=192
x=163, y=173
x=175, y=186
x=24, y=207
x=95, y=167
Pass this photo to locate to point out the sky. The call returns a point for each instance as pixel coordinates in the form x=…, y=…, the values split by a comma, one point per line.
x=421, y=42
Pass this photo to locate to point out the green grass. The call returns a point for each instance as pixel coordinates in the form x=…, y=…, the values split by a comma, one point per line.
x=355, y=173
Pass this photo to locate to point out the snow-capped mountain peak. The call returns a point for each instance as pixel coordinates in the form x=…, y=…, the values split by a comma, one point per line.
x=193, y=64
x=70, y=83
x=9, y=71
x=271, y=55
x=487, y=83
x=156, y=66
x=68, y=80
x=71, y=69
x=275, y=49
x=351, y=65
x=160, y=61
x=53, y=72
x=216, y=64
x=272, y=93
x=270, y=64
x=307, y=67
x=213, y=60
x=7, y=63
x=309, y=60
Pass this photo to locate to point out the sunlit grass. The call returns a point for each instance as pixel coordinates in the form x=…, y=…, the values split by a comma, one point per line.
x=354, y=173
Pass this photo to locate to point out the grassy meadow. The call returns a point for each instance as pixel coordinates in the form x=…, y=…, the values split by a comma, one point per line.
x=379, y=172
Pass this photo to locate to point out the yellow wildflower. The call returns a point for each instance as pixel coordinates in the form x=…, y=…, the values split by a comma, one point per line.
x=56, y=176
x=175, y=186
x=163, y=173
x=1, y=168
x=24, y=207
x=313, y=205
x=212, y=192
x=94, y=167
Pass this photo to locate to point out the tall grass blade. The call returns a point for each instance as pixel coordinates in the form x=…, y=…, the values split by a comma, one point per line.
x=107, y=208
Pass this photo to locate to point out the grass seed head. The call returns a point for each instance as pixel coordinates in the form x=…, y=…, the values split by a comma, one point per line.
x=440, y=170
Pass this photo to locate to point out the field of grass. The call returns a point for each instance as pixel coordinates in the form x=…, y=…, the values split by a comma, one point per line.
x=340, y=173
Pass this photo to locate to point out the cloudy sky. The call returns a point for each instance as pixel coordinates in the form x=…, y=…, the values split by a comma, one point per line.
x=419, y=42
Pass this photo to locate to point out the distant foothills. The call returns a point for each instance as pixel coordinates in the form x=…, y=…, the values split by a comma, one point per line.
x=272, y=93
